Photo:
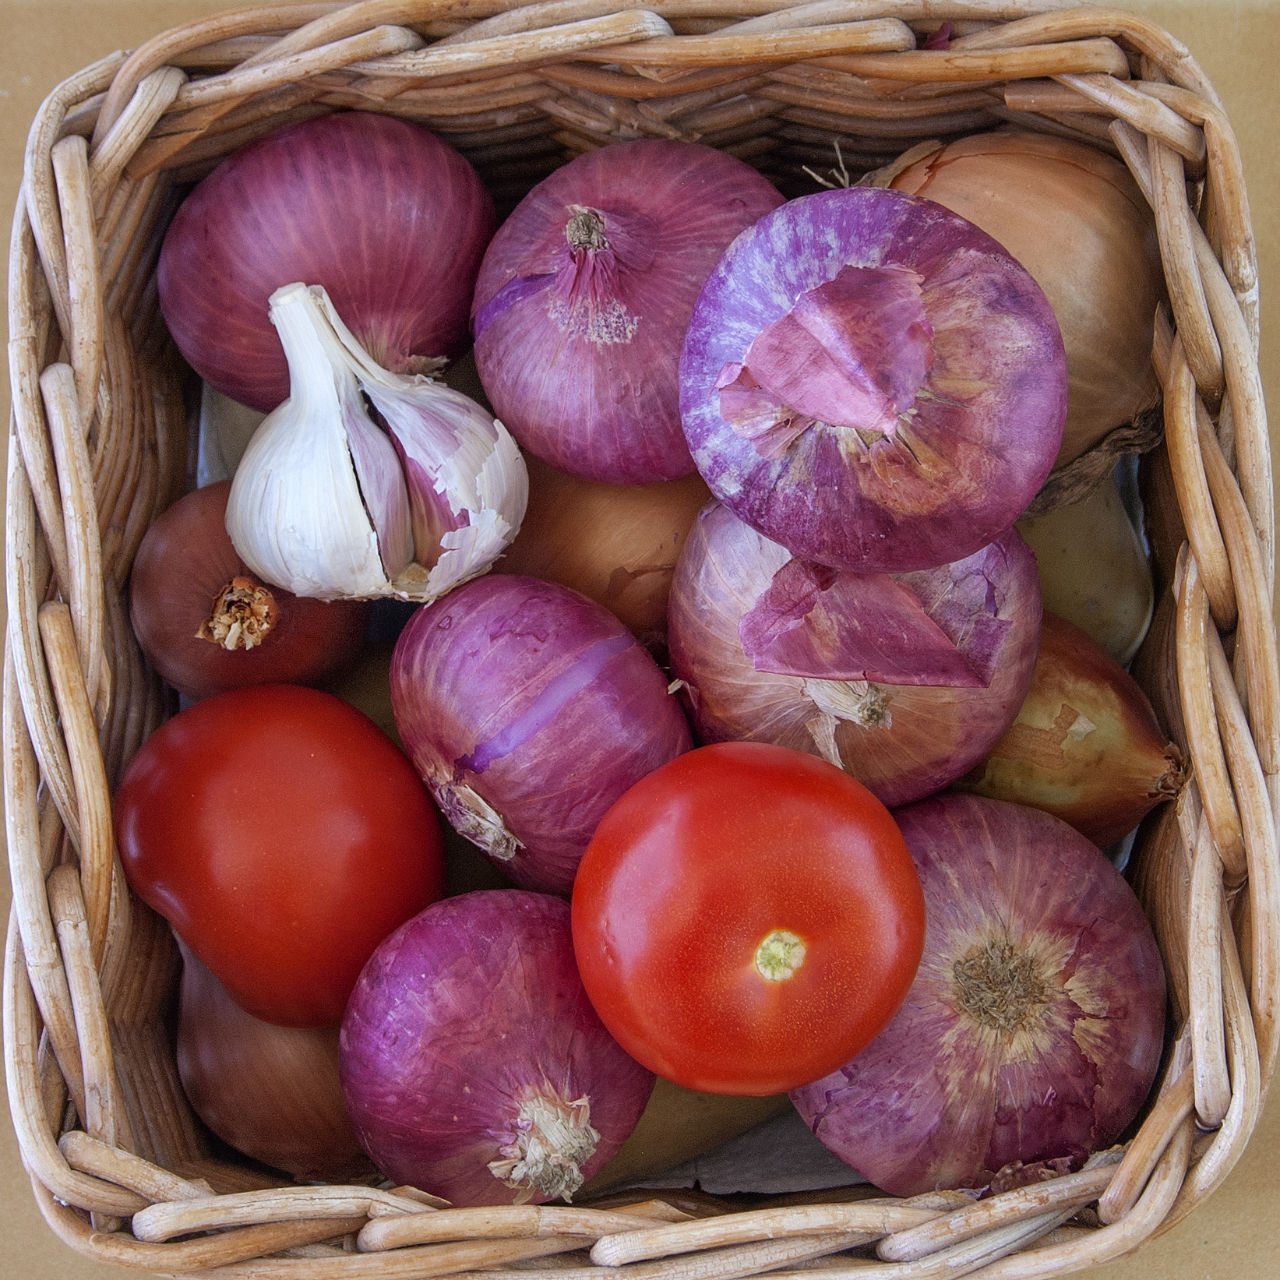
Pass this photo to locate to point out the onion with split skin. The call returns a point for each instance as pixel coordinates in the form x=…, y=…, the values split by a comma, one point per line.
x=872, y=381
x=765, y=647
x=528, y=709
x=1034, y=1028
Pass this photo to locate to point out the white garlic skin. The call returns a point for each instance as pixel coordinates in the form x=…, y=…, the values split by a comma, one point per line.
x=366, y=483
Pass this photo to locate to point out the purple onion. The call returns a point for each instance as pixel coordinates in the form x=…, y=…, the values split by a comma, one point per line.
x=1034, y=1028
x=904, y=680
x=528, y=709
x=472, y=1062
x=584, y=294
x=872, y=381
x=378, y=211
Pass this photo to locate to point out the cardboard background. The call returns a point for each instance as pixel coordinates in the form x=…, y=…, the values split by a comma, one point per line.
x=1234, y=1236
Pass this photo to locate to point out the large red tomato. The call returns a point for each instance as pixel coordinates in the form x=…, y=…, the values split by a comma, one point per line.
x=746, y=918
x=283, y=835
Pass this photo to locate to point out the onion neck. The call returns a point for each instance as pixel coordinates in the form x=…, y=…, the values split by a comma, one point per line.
x=587, y=292
x=475, y=819
x=552, y=1140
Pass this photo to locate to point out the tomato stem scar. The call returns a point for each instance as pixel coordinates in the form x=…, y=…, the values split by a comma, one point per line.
x=780, y=954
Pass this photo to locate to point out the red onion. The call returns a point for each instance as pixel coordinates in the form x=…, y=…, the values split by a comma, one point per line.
x=905, y=680
x=473, y=1064
x=584, y=294
x=1034, y=1028
x=872, y=381
x=528, y=709
x=388, y=219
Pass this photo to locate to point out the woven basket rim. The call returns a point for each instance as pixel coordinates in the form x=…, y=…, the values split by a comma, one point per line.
x=98, y=446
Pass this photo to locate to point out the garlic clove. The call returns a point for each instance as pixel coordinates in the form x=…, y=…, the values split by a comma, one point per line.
x=382, y=488
x=369, y=483
x=466, y=476
x=296, y=485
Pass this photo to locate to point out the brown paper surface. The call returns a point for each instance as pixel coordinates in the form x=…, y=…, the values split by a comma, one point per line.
x=1234, y=1235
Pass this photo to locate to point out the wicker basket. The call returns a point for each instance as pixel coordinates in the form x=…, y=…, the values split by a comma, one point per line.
x=100, y=443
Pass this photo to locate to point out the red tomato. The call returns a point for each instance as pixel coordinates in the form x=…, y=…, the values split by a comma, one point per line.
x=746, y=918
x=283, y=835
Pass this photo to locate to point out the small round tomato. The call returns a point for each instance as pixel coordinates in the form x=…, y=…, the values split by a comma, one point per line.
x=746, y=918
x=283, y=835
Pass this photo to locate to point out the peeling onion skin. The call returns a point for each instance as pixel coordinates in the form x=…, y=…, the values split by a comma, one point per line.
x=527, y=709
x=460, y=1016
x=903, y=742
x=578, y=347
x=872, y=381
x=387, y=218
x=964, y=1082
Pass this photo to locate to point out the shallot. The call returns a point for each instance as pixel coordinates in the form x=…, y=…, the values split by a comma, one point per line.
x=1085, y=745
x=207, y=623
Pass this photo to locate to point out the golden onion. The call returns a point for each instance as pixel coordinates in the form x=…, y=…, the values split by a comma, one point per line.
x=1077, y=221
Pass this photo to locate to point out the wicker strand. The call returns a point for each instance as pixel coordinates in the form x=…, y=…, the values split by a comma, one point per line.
x=100, y=444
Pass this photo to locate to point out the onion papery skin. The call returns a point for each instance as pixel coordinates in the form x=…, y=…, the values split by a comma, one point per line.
x=528, y=709
x=460, y=1016
x=578, y=346
x=1034, y=1028
x=269, y=1091
x=616, y=543
x=1075, y=218
x=903, y=742
x=184, y=563
x=872, y=381
x=382, y=214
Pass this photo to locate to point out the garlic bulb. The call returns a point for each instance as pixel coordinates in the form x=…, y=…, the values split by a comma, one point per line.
x=368, y=483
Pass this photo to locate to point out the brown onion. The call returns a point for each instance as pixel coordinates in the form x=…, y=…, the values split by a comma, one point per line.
x=1086, y=744
x=1075, y=218
x=617, y=544
x=271, y=1092
x=207, y=623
